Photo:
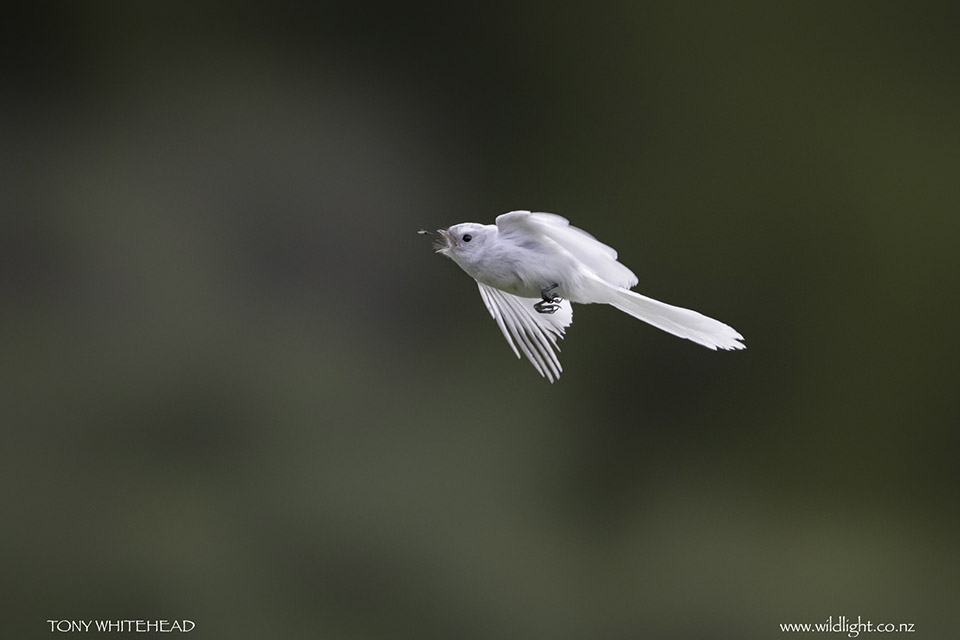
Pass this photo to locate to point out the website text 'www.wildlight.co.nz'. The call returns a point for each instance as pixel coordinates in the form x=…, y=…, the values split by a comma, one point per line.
x=843, y=624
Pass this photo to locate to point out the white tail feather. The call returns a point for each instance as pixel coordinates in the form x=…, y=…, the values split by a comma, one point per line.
x=683, y=323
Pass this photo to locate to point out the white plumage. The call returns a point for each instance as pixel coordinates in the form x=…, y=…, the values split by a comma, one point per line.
x=536, y=333
x=527, y=259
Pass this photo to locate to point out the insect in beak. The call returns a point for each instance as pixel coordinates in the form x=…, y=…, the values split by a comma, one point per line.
x=441, y=239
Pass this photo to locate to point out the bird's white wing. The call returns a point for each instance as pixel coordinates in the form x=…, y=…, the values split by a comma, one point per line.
x=535, y=333
x=601, y=259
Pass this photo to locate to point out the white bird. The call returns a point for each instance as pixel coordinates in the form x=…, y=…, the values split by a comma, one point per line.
x=531, y=266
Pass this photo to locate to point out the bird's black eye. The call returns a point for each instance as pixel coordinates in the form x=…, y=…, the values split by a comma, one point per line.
x=467, y=237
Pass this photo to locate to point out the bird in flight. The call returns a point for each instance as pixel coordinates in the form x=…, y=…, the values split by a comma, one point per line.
x=531, y=266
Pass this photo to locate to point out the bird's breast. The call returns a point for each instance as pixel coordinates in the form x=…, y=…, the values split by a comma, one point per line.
x=523, y=271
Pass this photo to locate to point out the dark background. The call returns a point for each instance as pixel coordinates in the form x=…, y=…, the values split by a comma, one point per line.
x=238, y=388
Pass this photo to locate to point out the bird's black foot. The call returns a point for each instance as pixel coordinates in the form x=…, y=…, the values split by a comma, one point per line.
x=547, y=306
x=549, y=303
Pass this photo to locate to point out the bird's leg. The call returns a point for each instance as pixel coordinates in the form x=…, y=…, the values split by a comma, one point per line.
x=549, y=303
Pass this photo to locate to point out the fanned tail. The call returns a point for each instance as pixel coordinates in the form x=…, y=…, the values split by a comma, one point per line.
x=683, y=323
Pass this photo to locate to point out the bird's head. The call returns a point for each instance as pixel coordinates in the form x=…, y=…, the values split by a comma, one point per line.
x=463, y=242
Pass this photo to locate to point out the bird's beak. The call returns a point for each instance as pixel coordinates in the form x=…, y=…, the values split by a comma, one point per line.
x=441, y=239
x=442, y=242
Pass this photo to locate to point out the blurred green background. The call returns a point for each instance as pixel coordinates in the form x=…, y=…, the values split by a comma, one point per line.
x=239, y=389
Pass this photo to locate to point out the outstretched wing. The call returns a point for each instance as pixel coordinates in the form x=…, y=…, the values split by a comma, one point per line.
x=599, y=258
x=535, y=333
